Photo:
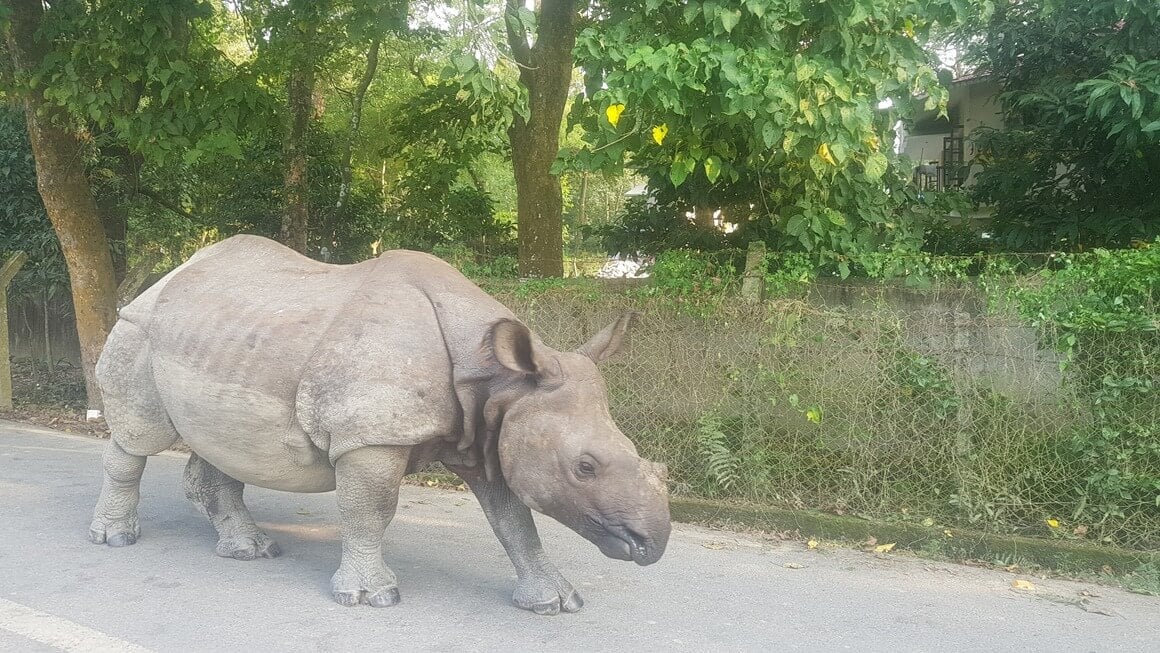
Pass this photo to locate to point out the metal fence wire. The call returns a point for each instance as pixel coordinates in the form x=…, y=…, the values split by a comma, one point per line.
x=869, y=399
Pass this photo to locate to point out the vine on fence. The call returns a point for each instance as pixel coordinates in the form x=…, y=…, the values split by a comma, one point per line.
x=1101, y=311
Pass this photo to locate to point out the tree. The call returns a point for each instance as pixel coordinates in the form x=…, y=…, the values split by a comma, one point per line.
x=68, y=200
x=780, y=112
x=545, y=66
x=1075, y=165
x=302, y=45
x=142, y=80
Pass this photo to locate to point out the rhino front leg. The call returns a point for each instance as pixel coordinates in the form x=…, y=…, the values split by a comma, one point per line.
x=367, y=485
x=540, y=588
x=219, y=498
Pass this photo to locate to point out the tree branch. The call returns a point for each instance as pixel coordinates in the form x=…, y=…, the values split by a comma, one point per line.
x=165, y=203
x=356, y=108
x=517, y=34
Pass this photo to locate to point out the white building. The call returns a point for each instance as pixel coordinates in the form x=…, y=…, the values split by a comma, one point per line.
x=942, y=148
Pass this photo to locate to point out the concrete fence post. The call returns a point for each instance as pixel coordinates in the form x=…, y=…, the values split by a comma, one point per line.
x=753, y=282
x=7, y=271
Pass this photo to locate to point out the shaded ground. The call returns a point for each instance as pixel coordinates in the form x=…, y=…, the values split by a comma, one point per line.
x=53, y=398
x=715, y=590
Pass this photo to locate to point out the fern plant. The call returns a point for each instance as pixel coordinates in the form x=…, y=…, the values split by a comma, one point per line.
x=721, y=463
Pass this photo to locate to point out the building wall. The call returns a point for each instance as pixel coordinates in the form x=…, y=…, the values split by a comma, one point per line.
x=976, y=105
x=980, y=109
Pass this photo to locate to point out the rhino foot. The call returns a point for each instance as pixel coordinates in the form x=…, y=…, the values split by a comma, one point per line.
x=547, y=596
x=378, y=590
x=248, y=547
x=118, y=533
x=383, y=598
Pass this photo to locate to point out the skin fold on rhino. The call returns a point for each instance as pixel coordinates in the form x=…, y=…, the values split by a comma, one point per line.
x=294, y=375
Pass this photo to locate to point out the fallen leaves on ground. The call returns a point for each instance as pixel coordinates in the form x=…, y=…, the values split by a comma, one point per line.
x=793, y=565
x=885, y=548
x=812, y=544
x=714, y=544
x=1021, y=584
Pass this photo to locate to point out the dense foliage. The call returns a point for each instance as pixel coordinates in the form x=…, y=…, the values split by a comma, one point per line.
x=23, y=224
x=774, y=111
x=1076, y=165
x=180, y=105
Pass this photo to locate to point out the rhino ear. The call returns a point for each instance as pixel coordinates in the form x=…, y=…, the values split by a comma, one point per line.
x=606, y=343
x=512, y=346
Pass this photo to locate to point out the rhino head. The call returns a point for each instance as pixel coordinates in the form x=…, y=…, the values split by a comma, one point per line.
x=561, y=453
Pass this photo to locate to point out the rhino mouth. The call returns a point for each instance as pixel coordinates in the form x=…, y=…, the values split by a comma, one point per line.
x=622, y=543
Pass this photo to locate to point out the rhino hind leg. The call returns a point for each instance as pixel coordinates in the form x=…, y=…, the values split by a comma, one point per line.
x=540, y=587
x=140, y=428
x=115, y=517
x=367, y=487
x=219, y=498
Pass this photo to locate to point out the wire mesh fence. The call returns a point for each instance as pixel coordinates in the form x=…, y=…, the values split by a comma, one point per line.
x=875, y=400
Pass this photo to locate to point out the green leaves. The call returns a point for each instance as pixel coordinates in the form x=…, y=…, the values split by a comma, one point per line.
x=729, y=19
x=152, y=76
x=767, y=103
x=875, y=166
x=712, y=169
x=681, y=167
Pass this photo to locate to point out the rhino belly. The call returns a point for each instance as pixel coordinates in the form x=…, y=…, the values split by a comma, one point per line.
x=249, y=433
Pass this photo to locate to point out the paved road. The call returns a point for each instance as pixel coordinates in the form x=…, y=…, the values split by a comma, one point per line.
x=713, y=591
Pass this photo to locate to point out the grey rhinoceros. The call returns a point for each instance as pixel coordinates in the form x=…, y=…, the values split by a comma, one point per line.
x=286, y=373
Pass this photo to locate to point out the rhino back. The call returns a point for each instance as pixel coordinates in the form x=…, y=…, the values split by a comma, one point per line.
x=231, y=333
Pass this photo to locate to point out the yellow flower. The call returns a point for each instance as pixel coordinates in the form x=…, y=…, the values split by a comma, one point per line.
x=824, y=152
x=1054, y=523
x=659, y=132
x=613, y=113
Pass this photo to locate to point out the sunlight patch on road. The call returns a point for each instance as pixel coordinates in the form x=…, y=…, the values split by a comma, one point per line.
x=428, y=521
x=58, y=632
x=302, y=532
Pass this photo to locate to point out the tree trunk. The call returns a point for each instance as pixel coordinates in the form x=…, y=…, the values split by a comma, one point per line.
x=546, y=72
x=300, y=96
x=68, y=200
x=113, y=206
x=356, y=107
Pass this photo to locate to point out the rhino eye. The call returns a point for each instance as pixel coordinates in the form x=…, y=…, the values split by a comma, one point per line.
x=585, y=469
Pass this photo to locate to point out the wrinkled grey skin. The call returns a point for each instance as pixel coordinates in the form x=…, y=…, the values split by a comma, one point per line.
x=294, y=375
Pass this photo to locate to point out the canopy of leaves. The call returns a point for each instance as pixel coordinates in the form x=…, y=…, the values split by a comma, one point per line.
x=776, y=107
x=151, y=74
x=1076, y=165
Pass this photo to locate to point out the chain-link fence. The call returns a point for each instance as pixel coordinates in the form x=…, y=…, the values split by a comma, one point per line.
x=875, y=400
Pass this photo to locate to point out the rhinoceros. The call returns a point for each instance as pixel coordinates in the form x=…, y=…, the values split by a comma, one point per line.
x=290, y=374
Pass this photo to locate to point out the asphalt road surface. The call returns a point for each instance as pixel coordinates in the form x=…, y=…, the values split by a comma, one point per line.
x=713, y=591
